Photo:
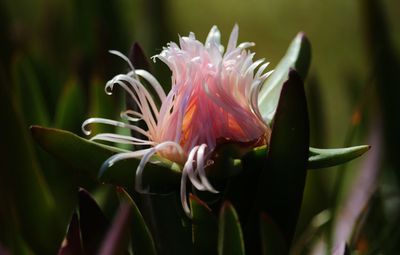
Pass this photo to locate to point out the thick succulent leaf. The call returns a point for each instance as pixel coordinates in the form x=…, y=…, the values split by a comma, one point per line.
x=272, y=240
x=159, y=175
x=230, y=236
x=93, y=223
x=142, y=241
x=317, y=158
x=297, y=57
x=116, y=241
x=320, y=158
x=282, y=181
x=72, y=244
x=205, y=227
x=70, y=109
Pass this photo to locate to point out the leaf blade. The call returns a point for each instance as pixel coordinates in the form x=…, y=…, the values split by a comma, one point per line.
x=230, y=236
x=87, y=157
x=205, y=228
x=297, y=57
x=321, y=158
x=282, y=181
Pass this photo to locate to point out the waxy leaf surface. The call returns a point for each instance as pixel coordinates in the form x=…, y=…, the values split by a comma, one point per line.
x=159, y=175
x=298, y=57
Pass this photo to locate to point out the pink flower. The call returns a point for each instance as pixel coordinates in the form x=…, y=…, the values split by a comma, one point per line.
x=214, y=95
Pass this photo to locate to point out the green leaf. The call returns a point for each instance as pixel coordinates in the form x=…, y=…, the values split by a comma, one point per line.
x=28, y=92
x=160, y=175
x=272, y=240
x=317, y=158
x=282, y=180
x=70, y=109
x=142, y=241
x=27, y=202
x=230, y=237
x=320, y=158
x=297, y=57
x=205, y=228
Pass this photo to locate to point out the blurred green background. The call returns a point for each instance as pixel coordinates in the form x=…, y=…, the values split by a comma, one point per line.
x=54, y=62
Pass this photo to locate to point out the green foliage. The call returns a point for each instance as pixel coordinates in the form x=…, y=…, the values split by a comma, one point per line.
x=205, y=228
x=230, y=236
x=70, y=111
x=38, y=194
x=298, y=57
x=282, y=181
x=320, y=158
x=160, y=176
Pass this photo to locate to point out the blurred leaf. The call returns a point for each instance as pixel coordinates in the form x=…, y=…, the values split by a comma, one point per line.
x=101, y=105
x=142, y=241
x=205, y=228
x=72, y=244
x=385, y=60
x=272, y=240
x=320, y=158
x=92, y=221
x=297, y=57
x=117, y=238
x=29, y=94
x=30, y=208
x=159, y=175
x=230, y=237
x=70, y=109
x=281, y=184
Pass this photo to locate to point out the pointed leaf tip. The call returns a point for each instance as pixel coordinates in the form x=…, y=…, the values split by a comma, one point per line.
x=83, y=155
x=230, y=236
x=321, y=158
x=298, y=57
x=138, y=57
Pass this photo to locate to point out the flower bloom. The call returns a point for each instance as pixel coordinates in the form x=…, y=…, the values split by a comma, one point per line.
x=214, y=95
